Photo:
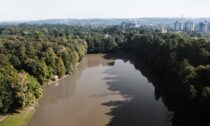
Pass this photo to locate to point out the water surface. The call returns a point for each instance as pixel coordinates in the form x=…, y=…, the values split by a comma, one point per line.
x=101, y=92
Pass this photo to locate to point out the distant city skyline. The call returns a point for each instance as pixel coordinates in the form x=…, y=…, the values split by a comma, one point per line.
x=25, y=10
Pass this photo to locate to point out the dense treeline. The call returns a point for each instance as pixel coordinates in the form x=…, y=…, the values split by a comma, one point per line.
x=30, y=57
x=179, y=58
x=36, y=53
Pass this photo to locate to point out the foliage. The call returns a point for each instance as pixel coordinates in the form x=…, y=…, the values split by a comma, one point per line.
x=42, y=51
x=30, y=56
x=17, y=90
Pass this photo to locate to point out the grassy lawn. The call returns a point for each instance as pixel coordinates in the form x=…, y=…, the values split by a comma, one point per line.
x=18, y=119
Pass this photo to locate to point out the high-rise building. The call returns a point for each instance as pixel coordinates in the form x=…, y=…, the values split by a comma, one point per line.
x=123, y=24
x=209, y=27
x=200, y=27
x=189, y=26
x=182, y=24
x=178, y=26
x=203, y=27
x=196, y=27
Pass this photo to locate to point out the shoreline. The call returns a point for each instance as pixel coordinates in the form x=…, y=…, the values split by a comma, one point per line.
x=3, y=117
x=65, y=76
x=32, y=108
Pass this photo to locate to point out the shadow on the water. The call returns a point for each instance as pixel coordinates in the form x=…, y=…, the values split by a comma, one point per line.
x=139, y=108
x=132, y=112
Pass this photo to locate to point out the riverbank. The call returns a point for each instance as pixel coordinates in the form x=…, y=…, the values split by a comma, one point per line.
x=58, y=79
x=22, y=117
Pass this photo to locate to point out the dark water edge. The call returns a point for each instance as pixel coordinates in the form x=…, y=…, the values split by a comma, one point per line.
x=143, y=109
x=184, y=111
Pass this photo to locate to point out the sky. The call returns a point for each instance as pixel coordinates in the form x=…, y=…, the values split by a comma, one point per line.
x=22, y=10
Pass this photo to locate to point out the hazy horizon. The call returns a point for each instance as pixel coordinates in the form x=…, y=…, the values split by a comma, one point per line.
x=30, y=10
x=28, y=20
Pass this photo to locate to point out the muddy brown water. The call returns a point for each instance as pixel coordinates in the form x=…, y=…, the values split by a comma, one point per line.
x=101, y=92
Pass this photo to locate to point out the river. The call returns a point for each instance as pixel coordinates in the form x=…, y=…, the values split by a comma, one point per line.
x=101, y=92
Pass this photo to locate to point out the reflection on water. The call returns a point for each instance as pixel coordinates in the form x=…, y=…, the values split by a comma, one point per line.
x=101, y=92
x=142, y=109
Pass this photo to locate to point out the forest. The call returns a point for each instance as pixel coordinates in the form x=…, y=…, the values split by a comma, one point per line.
x=32, y=55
